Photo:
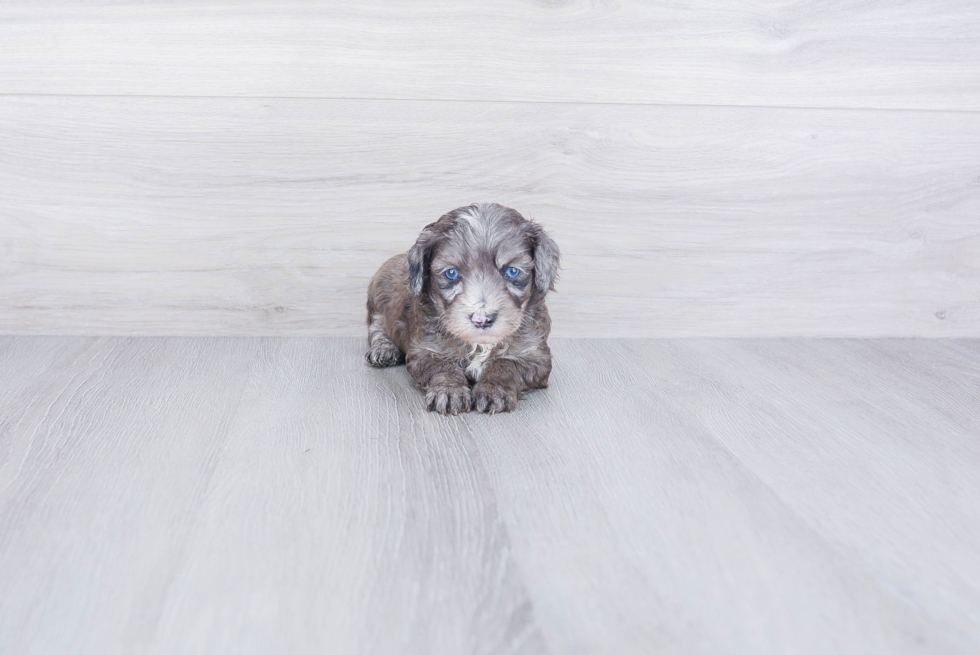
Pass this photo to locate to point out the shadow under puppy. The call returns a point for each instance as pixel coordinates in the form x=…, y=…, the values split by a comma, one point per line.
x=465, y=310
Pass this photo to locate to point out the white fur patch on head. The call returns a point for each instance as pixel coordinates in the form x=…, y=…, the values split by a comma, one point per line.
x=479, y=354
x=476, y=223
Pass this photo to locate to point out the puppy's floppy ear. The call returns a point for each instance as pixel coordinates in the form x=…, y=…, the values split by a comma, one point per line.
x=419, y=257
x=547, y=259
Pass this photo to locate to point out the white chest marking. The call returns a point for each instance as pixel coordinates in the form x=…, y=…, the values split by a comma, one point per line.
x=479, y=354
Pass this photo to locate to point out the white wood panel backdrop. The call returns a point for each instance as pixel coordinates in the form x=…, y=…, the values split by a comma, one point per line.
x=922, y=53
x=845, y=201
x=246, y=216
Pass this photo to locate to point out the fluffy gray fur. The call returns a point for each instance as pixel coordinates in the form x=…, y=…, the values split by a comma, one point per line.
x=477, y=342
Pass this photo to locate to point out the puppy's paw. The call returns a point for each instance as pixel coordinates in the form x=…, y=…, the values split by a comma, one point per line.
x=382, y=356
x=448, y=400
x=491, y=398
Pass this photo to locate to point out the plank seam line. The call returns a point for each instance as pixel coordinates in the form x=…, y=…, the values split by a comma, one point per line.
x=493, y=102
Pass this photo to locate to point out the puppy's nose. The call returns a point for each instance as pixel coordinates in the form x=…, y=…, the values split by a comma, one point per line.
x=482, y=320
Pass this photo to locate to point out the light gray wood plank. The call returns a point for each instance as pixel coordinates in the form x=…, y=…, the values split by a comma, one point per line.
x=921, y=54
x=268, y=217
x=641, y=528
x=105, y=459
x=247, y=496
x=878, y=451
x=25, y=361
x=344, y=516
x=274, y=495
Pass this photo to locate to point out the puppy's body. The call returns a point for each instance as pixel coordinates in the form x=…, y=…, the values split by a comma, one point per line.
x=465, y=310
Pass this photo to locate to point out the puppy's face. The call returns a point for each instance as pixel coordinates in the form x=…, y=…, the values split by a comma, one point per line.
x=480, y=265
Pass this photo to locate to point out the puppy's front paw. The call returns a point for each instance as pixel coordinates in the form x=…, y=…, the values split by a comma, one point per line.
x=448, y=400
x=491, y=398
x=384, y=356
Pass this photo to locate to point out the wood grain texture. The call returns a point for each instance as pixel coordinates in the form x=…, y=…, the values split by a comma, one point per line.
x=268, y=217
x=918, y=450
x=922, y=54
x=246, y=496
x=693, y=504
x=168, y=495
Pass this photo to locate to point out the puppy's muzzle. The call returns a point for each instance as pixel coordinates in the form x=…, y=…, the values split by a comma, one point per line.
x=482, y=320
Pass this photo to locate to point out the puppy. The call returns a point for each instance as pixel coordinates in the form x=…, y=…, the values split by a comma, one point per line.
x=464, y=309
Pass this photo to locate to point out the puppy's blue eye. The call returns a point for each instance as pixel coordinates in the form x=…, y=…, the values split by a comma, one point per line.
x=512, y=272
x=451, y=274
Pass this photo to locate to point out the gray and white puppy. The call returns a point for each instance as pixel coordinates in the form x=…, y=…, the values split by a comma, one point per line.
x=464, y=309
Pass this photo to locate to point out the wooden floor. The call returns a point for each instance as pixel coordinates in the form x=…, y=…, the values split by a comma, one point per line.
x=275, y=495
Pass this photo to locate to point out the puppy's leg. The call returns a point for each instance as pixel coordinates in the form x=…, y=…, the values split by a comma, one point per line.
x=446, y=388
x=499, y=388
x=504, y=382
x=382, y=351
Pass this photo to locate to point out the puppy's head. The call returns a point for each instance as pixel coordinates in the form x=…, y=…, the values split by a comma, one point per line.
x=481, y=265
